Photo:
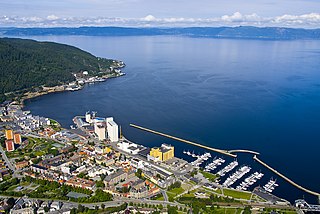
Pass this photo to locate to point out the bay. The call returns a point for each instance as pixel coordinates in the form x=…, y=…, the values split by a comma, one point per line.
x=225, y=93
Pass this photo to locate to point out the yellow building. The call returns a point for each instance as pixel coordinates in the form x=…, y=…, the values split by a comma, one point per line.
x=164, y=153
x=9, y=134
x=107, y=150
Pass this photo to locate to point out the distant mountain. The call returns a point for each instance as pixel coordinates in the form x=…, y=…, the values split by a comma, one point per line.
x=246, y=32
x=25, y=64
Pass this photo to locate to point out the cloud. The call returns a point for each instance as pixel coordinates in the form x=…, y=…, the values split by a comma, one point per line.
x=311, y=20
x=52, y=17
x=149, y=18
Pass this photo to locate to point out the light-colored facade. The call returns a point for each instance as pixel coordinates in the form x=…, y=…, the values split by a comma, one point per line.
x=88, y=117
x=113, y=130
x=100, y=130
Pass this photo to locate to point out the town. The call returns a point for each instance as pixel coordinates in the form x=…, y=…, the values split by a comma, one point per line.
x=92, y=168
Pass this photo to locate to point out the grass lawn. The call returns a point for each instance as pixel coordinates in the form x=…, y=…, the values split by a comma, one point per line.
x=174, y=192
x=36, y=146
x=237, y=194
x=39, y=153
x=13, y=188
x=218, y=191
x=177, y=191
x=287, y=211
x=228, y=210
x=160, y=198
x=209, y=176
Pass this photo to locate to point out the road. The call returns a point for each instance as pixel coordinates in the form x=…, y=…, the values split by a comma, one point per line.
x=108, y=203
x=5, y=158
x=165, y=196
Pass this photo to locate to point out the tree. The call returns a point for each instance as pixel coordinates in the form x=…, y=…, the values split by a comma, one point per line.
x=100, y=184
x=10, y=202
x=176, y=184
x=247, y=210
x=73, y=211
x=139, y=173
x=80, y=208
x=46, y=209
x=32, y=64
x=54, y=152
x=160, y=206
x=172, y=210
x=103, y=206
x=81, y=175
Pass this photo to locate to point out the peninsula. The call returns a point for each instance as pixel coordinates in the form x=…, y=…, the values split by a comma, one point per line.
x=30, y=68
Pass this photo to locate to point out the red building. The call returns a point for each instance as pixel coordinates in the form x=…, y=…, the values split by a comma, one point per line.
x=9, y=145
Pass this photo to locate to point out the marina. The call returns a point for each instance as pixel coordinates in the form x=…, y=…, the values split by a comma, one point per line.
x=228, y=168
x=249, y=181
x=270, y=186
x=214, y=164
x=236, y=176
x=199, y=158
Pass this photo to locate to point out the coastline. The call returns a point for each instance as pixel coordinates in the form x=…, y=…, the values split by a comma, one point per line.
x=62, y=88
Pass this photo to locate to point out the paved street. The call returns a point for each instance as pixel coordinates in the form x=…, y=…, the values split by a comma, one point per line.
x=5, y=158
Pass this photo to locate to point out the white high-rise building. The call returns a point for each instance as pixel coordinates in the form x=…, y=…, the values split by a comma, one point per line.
x=100, y=130
x=112, y=129
x=88, y=117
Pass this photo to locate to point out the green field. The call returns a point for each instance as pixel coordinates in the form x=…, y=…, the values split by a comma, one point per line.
x=208, y=175
x=237, y=194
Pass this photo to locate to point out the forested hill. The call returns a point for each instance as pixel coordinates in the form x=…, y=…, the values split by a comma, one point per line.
x=27, y=63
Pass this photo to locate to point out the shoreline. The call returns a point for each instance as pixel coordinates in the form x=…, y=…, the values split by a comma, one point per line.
x=61, y=88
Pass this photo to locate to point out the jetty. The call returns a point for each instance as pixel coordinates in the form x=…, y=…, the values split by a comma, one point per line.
x=225, y=152
x=243, y=151
x=285, y=178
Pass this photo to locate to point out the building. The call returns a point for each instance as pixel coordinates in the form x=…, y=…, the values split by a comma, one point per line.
x=27, y=210
x=9, y=134
x=17, y=138
x=100, y=130
x=81, y=182
x=139, y=193
x=115, y=177
x=164, y=153
x=138, y=184
x=112, y=129
x=9, y=145
x=22, y=164
x=39, y=169
x=131, y=148
x=88, y=117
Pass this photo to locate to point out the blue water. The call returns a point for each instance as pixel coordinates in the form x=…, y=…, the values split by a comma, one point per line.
x=230, y=94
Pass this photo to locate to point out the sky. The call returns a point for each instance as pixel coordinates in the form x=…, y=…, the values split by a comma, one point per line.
x=160, y=13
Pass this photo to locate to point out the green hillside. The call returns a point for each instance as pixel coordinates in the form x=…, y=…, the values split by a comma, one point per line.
x=25, y=64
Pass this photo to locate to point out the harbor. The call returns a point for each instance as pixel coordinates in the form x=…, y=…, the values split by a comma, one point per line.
x=269, y=187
